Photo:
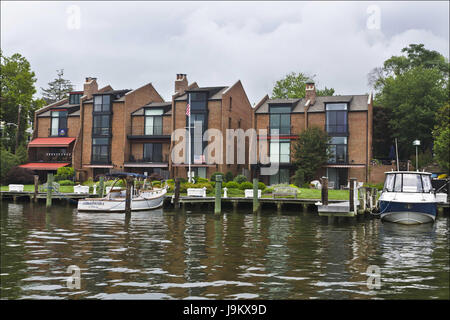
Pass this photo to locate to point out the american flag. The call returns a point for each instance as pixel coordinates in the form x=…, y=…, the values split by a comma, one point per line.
x=188, y=110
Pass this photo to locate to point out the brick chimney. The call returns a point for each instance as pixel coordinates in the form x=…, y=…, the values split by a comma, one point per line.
x=181, y=83
x=90, y=87
x=310, y=92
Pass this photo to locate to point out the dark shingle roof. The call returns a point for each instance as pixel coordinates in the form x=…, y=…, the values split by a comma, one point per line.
x=214, y=93
x=166, y=105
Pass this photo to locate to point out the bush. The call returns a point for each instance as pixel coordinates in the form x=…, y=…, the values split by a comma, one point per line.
x=66, y=183
x=229, y=176
x=20, y=175
x=240, y=178
x=185, y=186
x=64, y=173
x=267, y=190
x=7, y=161
x=246, y=185
x=261, y=185
x=231, y=185
x=157, y=185
x=201, y=180
x=299, y=177
x=213, y=176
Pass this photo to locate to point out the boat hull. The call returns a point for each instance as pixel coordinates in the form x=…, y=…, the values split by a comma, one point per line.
x=408, y=212
x=118, y=205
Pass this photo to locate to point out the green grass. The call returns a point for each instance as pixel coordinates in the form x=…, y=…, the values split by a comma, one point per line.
x=30, y=188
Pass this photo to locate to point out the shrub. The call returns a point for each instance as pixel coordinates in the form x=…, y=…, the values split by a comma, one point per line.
x=232, y=185
x=240, y=178
x=170, y=181
x=299, y=177
x=201, y=180
x=185, y=186
x=261, y=185
x=246, y=185
x=66, y=183
x=64, y=173
x=268, y=190
x=229, y=176
x=157, y=185
x=20, y=175
x=7, y=161
x=90, y=182
x=213, y=176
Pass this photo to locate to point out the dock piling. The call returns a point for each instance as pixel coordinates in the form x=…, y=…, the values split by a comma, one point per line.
x=218, y=198
x=324, y=193
x=49, y=190
x=36, y=187
x=352, y=199
x=176, y=193
x=101, y=186
x=129, y=183
x=255, y=195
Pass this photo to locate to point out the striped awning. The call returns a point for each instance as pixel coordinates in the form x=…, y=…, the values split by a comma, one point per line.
x=51, y=142
x=44, y=165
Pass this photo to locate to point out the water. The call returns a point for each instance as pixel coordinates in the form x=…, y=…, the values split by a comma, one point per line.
x=163, y=255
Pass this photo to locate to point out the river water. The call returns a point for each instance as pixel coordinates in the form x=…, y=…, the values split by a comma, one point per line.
x=166, y=255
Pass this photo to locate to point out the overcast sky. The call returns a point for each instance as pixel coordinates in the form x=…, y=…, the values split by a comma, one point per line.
x=128, y=44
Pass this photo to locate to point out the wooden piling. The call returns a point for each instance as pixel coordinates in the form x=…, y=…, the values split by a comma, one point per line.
x=218, y=197
x=374, y=197
x=255, y=195
x=324, y=193
x=101, y=186
x=36, y=188
x=352, y=199
x=49, y=190
x=176, y=193
x=129, y=183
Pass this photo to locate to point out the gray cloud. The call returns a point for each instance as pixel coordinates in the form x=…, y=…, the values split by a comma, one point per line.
x=217, y=43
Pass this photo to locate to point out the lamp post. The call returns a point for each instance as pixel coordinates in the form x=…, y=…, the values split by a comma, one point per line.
x=417, y=144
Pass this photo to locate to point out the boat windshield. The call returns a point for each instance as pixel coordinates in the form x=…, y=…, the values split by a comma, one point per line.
x=407, y=182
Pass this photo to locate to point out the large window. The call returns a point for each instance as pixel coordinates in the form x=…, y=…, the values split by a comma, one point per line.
x=198, y=101
x=338, y=146
x=74, y=98
x=100, y=150
x=280, y=120
x=336, y=118
x=102, y=124
x=282, y=176
x=102, y=103
x=153, y=121
x=280, y=151
x=59, y=123
x=198, y=126
x=153, y=152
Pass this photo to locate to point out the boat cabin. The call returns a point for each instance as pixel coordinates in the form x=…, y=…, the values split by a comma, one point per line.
x=408, y=181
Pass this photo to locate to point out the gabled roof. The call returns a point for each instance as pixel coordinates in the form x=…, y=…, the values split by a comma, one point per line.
x=214, y=93
x=167, y=106
x=356, y=103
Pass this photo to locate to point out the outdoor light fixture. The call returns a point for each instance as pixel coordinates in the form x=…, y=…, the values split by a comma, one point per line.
x=417, y=143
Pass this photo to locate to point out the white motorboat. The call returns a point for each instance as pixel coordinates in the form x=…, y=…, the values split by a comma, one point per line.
x=408, y=198
x=114, y=201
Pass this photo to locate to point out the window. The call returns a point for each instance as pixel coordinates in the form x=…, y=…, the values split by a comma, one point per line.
x=74, y=98
x=152, y=152
x=102, y=103
x=198, y=101
x=280, y=119
x=338, y=148
x=336, y=118
x=280, y=151
x=281, y=177
x=198, y=120
x=100, y=150
x=408, y=182
x=153, y=121
x=59, y=123
x=102, y=125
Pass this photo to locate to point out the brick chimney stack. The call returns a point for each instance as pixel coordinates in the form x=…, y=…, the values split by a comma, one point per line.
x=181, y=83
x=90, y=87
x=310, y=92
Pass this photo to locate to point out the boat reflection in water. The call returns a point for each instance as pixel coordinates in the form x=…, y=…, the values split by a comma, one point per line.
x=408, y=198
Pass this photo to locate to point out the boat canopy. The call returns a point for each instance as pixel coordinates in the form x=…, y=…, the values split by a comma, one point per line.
x=408, y=181
x=126, y=174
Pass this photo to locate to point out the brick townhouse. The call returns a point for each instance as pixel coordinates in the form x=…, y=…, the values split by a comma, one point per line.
x=347, y=119
x=97, y=131
x=220, y=107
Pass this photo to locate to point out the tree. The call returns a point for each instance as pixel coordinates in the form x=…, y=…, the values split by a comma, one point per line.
x=382, y=134
x=16, y=88
x=441, y=135
x=311, y=151
x=293, y=86
x=58, y=89
x=411, y=88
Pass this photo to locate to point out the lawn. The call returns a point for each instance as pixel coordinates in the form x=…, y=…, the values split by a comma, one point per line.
x=30, y=188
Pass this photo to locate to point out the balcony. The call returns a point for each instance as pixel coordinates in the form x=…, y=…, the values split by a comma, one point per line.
x=54, y=157
x=146, y=132
x=58, y=132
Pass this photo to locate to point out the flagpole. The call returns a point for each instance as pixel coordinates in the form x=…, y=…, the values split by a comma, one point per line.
x=189, y=128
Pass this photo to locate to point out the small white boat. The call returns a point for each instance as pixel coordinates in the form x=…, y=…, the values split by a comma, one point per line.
x=408, y=198
x=114, y=201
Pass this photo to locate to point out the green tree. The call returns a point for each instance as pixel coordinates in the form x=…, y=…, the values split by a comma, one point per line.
x=311, y=151
x=58, y=89
x=382, y=133
x=411, y=88
x=16, y=88
x=293, y=86
x=441, y=135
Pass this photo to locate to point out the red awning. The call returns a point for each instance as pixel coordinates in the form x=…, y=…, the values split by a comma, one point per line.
x=43, y=165
x=51, y=142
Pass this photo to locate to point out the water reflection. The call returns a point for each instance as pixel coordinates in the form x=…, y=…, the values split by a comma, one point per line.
x=166, y=255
